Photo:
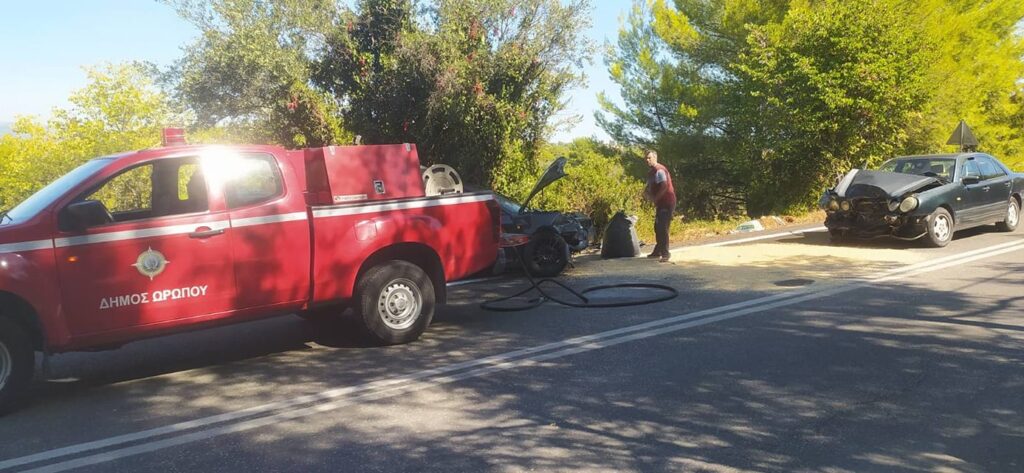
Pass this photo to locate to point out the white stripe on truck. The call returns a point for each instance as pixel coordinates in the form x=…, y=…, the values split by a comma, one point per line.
x=318, y=212
x=342, y=210
x=26, y=246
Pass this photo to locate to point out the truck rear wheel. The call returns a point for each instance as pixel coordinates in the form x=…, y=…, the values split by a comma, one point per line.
x=395, y=301
x=17, y=361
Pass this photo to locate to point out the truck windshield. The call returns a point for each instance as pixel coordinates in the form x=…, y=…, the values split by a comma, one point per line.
x=45, y=197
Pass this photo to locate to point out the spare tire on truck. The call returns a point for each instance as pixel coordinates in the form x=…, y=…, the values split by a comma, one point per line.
x=620, y=239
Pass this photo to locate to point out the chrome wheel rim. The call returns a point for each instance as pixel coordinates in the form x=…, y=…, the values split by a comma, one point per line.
x=1012, y=215
x=399, y=304
x=5, y=365
x=941, y=227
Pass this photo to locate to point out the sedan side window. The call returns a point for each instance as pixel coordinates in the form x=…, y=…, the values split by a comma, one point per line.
x=989, y=169
x=971, y=169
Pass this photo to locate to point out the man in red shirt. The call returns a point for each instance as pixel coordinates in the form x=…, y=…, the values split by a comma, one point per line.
x=659, y=191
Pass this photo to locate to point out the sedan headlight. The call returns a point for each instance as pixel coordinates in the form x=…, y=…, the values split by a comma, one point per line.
x=833, y=205
x=908, y=204
x=845, y=205
x=893, y=205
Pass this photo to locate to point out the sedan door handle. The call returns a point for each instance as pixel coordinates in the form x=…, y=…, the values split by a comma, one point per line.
x=205, y=232
x=986, y=188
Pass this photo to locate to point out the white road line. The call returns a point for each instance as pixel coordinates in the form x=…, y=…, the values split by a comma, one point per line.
x=748, y=240
x=383, y=388
x=473, y=281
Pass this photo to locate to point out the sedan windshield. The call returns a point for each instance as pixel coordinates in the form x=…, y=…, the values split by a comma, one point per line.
x=923, y=166
x=509, y=206
x=42, y=199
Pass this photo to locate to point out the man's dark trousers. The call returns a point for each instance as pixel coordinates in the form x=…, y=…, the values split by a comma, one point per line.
x=662, y=221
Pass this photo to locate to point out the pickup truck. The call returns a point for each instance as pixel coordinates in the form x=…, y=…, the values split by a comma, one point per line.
x=179, y=237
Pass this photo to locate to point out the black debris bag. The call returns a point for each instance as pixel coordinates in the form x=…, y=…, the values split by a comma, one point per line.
x=620, y=240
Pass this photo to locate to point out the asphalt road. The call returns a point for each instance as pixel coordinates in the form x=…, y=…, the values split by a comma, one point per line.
x=779, y=355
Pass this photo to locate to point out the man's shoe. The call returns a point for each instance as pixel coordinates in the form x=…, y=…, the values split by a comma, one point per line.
x=654, y=255
x=664, y=259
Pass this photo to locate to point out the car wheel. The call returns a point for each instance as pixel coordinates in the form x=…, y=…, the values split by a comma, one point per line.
x=836, y=236
x=546, y=254
x=17, y=361
x=395, y=302
x=1009, y=224
x=940, y=228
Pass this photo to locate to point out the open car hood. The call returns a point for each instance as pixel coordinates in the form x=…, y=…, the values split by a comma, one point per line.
x=554, y=172
x=867, y=183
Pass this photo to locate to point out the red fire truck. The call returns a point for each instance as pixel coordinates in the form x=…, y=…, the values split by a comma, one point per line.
x=179, y=237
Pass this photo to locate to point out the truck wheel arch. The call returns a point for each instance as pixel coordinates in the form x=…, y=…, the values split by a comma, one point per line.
x=416, y=253
x=21, y=312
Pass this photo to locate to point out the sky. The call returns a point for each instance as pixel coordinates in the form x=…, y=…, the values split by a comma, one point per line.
x=45, y=43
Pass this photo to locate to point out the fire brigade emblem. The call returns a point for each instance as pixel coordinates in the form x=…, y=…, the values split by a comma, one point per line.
x=151, y=263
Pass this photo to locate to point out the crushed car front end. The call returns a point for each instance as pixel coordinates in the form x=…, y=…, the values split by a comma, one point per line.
x=869, y=204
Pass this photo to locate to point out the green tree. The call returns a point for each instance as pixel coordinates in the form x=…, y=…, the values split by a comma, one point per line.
x=829, y=88
x=756, y=104
x=974, y=68
x=475, y=84
x=249, y=72
x=120, y=109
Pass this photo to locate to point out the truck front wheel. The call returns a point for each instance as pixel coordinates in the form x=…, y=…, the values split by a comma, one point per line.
x=17, y=361
x=395, y=301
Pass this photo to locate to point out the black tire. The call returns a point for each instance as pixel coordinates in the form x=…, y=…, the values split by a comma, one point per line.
x=382, y=302
x=546, y=254
x=17, y=361
x=940, y=228
x=1012, y=218
x=837, y=236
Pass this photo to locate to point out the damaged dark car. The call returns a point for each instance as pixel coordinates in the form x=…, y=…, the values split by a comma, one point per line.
x=924, y=197
x=554, y=236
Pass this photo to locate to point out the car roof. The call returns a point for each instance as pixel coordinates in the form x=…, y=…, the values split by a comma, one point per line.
x=185, y=150
x=936, y=156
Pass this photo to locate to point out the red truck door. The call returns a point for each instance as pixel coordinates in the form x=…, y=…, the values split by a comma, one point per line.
x=163, y=254
x=269, y=231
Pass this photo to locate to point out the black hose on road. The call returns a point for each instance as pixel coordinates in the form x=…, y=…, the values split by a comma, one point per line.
x=581, y=300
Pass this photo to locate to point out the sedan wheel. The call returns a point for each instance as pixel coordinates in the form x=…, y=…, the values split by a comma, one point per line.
x=1009, y=224
x=546, y=254
x=940, y=228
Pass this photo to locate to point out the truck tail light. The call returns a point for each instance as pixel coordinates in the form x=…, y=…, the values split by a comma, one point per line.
x=174, y=137
x=495, y=209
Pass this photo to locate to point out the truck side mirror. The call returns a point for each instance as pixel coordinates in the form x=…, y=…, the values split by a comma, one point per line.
x=970, y=180
x=85, y=214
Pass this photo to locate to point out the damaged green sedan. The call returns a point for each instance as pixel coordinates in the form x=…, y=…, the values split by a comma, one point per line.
x=924, y=197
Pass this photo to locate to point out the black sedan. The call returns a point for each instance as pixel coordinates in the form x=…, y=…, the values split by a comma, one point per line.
x=924, y=197
x=553, y=235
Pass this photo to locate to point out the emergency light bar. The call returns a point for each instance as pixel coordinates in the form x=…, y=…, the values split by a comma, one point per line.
x=174, y=137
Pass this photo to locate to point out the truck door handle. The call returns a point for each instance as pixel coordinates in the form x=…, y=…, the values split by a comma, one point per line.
x=205, y=232
x=986, y=188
